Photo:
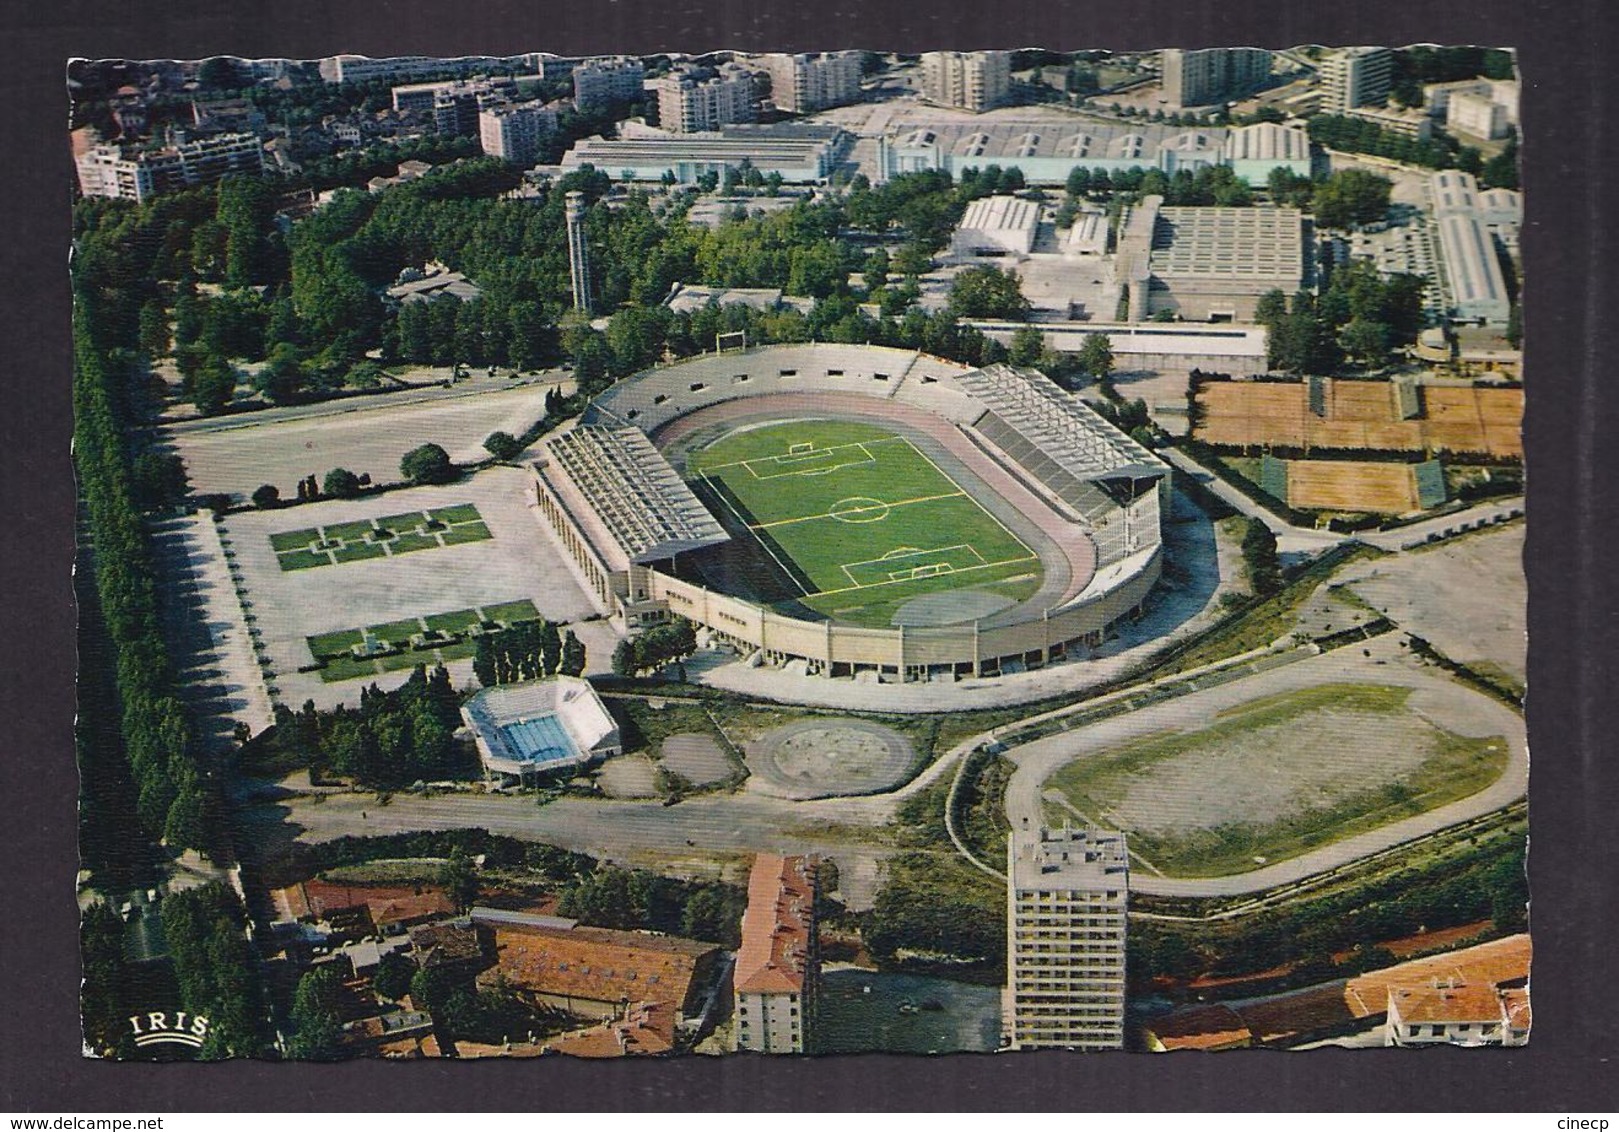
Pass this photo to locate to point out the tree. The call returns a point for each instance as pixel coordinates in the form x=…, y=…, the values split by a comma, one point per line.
x=1350, y=197
x=1365, y=340
x=1096, y=356
x=428, y=463
x=316, y=1015
x=154, y=331
x=266, y=496
x=157, y=480
x=1259, y=552
x=1272, y=307
x=502, y=445
x=573, y=655
x=282, y=379
x=988, y=292
x=215, y=386
x=626, y=658
x=1028, y=344
x=341, y=483
x=393, y=976
x=460, y=880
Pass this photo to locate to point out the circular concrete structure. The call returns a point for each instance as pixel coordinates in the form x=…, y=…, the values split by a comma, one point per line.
x=827, y=758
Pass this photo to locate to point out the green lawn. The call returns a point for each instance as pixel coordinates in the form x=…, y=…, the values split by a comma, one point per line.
x=347, y=668
x=407, y=543
x=457, y=513
x=294, y=540
x=349, y=531
x=406, y=522
x=1224, y=762
x=397, y=632
x=465, y=532
x=861, y=519
x=512, y=612
x=303, y=559
x=354, y=551
x=458, y=622
x=335, y=644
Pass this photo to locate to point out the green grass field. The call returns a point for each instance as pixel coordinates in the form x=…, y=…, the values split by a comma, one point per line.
x=366, y=538
x=860, y=519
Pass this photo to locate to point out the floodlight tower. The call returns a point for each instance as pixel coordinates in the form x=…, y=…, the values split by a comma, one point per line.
x=578, y=251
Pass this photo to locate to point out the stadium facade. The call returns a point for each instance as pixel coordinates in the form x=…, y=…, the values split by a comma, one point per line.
x=632, y=526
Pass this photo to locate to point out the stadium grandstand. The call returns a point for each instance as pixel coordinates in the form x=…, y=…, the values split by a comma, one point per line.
x=1044, y=529
x=540, y=727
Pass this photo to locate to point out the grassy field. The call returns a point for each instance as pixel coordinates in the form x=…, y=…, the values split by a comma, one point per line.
x=1277, y=777
x=860, y=519
x=361, y=539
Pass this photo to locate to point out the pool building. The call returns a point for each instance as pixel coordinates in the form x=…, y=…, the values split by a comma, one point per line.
x=540, y=727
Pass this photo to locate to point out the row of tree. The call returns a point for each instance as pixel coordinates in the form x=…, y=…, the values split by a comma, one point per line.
x=1359, y=315
x=528, y=650
x=636, y=899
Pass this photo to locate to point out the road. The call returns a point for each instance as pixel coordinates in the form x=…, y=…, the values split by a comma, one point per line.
x=468, y=387
x=1037, y=761
x=1289, y=539
x=691, y=834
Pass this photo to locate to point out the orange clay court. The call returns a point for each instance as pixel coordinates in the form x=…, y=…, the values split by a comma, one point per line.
x=1352, y=485
x=1361, y=414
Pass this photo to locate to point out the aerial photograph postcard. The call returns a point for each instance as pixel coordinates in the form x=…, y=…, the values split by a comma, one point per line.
x=736, y=554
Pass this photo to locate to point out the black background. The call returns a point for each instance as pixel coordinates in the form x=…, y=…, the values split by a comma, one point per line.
x=1568, y=55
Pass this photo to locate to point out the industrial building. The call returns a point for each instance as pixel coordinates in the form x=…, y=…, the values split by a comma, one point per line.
x=1471, y=279
x=1219, y=74
x=1048, y=152
x=778, y=963
x=1356, y=76
x=997, y=226
x=1067, y=895
x=799, y=154
x=800, y=84
x=1208, y=264
x=975, y=80
x=540, y=727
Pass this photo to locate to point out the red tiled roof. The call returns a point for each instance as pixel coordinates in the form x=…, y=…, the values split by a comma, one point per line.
x=1345, y=1003
x=1211, y=1027
x=647, y=1029
x=597, y=964
x=396, y=904
x=777, y=927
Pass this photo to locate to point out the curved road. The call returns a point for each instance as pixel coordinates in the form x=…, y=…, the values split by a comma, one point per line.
x=1037, y=761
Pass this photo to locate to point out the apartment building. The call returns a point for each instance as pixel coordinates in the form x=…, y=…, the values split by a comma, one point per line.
x=602, y=83
x=778, y=963
x=1356, y=76
x=1066, y=899
x=698, y=102
x=976, y=81
x=801, y=84
x=138, y=175
x=1199, y=78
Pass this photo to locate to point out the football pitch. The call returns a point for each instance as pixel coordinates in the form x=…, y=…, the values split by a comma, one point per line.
x=860, y=519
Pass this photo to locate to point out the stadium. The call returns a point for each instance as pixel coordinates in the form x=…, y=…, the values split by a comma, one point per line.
x=857, y=511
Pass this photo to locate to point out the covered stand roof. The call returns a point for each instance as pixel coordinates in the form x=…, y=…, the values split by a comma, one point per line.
x=1054, y=434
x=648, y=510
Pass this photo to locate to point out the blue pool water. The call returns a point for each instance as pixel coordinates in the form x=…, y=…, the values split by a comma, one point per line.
x=539, y=740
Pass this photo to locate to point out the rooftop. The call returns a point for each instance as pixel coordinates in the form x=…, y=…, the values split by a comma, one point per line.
x=648, y=510
x=1069, y=859
x=778, y=927
x=597, y=964
x=1059, y=426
